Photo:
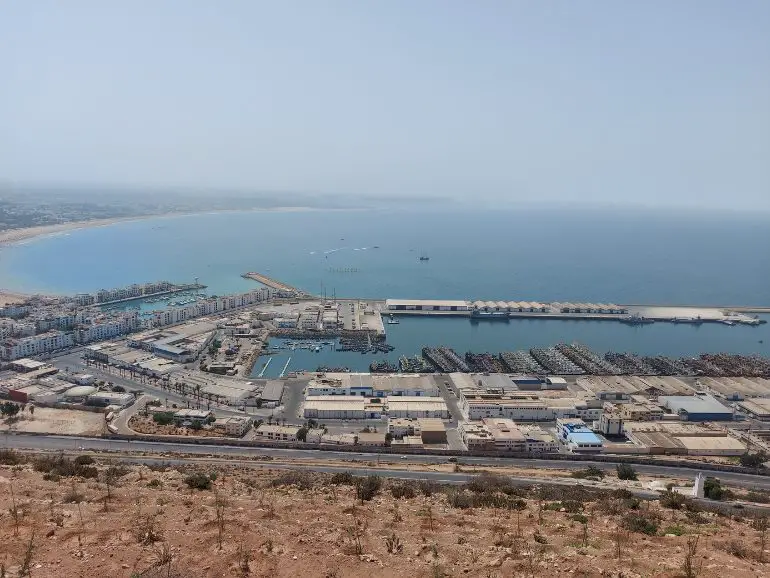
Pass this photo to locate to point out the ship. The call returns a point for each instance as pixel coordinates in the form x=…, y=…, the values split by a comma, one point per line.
x=498, y=315
x=636, y=320
x=424, y=258
x=392, y=320
x=690, y=320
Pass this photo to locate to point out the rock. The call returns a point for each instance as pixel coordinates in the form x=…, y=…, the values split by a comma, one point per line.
x=670, y=535
x=50, y=533
x=293, y=557
x=124, y=566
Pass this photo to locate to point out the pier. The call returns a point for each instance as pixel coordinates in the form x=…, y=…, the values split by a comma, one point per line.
x=272, y=283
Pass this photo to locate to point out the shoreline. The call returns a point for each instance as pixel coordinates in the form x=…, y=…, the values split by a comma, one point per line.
x=15, y=236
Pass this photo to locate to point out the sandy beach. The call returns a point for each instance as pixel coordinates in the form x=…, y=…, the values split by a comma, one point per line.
x=16, y=235
x=12, y=236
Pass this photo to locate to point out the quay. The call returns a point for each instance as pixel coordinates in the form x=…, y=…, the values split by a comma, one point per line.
x=272, y=283
x=631, y=314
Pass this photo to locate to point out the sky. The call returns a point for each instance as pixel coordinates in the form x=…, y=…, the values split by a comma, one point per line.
x=657, y=103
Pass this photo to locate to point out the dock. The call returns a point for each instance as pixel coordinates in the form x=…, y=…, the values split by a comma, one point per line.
x=272, y=283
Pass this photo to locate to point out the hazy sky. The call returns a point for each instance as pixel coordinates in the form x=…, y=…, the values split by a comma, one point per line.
x=657, y=102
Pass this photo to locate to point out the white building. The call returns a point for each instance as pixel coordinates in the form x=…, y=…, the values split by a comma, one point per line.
x=408, y=406
x=15, y=348
x=277, y=433
x=234, y=426
x=373, y=385
x=335, y=407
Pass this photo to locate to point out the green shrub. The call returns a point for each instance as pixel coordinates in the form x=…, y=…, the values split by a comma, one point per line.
x=299, y=478
x=84, y=460
x=343, y=479
x=673, y=500
x=626, y=472
x=63, y=467
x=403, y=490
x=163, y=418
x=676, y=530
x=753, y=460
x=713, y=490
x=640, y=524
x=590, y=473
x=368, y=487
x=488, y=482
x=198, y=481
x=11, y=457
x=580, y=518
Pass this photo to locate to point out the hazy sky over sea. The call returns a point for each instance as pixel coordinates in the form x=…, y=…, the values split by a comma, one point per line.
x=654, y=102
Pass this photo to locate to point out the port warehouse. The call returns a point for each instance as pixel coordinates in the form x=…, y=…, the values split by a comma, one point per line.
x=395, y=305
x=358, y=407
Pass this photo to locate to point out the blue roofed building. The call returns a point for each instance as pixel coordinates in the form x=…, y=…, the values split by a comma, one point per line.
x=577, y=437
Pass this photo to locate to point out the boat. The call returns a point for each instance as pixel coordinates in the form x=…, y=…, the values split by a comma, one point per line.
x=691, y=320
x=393, y=321
x=490, y=315
x=636, y=320
x=424, y=258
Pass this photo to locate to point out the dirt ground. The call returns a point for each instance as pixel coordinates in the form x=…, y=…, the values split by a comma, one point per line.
x=58, y=421
x=146, y=425
x=153, y=524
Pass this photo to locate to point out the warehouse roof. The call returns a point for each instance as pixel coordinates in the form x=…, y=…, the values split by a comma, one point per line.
x=694, y=404
x=425, y=302
x=712, y=443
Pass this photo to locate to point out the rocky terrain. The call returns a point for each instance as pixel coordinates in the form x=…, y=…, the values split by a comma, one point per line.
x=90, y=517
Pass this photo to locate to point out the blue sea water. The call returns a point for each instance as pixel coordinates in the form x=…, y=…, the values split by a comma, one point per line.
x=619, y=256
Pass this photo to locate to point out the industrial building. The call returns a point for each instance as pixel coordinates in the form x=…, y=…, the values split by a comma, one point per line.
x=527, y=407
x=187, y=417
x=678, y=438
x=505, y=435
x=110, y=398
x=698, y=407
x=432, y=431
x=420, y=407
x=577, y=437
x=373, y=385
x=340, y=407
x=425, y=305
x=277, y=433
x=757, y=408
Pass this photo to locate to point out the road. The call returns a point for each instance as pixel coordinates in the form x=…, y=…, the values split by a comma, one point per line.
x=66, y=443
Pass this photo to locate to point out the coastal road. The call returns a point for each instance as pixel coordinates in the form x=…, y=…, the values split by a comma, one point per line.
x=167, y=450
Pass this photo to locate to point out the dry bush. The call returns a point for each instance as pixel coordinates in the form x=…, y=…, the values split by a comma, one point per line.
x=301, y=479
x=146, y=530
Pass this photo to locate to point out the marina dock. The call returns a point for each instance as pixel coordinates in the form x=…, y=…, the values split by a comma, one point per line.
x=272, y=283
x=176, y=289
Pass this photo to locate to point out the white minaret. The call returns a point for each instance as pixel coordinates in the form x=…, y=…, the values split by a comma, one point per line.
x=697, y=490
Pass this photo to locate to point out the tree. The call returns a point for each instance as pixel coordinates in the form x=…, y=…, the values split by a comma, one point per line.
x=302, y=434
x=259, y=402
x=626, y=472
x=753, y=460
x=713, y=490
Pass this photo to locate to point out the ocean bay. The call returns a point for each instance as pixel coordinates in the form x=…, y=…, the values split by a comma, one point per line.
x=533, y=254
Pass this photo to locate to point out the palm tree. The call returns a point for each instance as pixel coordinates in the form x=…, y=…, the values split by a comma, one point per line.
x=198, y=391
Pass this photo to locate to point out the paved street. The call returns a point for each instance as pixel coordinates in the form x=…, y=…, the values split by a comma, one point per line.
x=73, y=444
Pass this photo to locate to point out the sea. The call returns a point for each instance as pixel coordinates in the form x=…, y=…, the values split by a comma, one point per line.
x=530, y=254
